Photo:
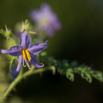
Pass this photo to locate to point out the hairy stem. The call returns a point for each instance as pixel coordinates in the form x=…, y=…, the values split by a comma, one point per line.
x=20, y=77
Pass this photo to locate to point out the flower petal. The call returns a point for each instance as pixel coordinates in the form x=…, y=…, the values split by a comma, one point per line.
x=49, y=30
x=45, y=7
x=14, y=51
x=44, y=12
x=35, y=15
x=37, y=48
x=56, y=24
x=34, y=61
x=25, y=39
x=20, y=62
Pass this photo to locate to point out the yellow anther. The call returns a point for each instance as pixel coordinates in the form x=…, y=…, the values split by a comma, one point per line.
x=28, y=55
x=24, y=54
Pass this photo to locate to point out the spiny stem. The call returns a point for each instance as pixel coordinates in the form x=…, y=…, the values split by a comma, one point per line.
x=20, y=77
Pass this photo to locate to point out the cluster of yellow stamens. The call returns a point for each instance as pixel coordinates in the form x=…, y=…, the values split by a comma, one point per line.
x=26, y=56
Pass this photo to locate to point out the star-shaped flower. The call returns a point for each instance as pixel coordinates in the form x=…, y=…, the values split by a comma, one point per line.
x=26, y=52
x=45, y=19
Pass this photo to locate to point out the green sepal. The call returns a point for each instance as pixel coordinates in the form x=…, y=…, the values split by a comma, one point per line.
x=13, y=62
x=7, y=33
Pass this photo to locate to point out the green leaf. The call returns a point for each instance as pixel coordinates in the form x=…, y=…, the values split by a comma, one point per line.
x=98, y=76
x=65, y=63
x=70, y=70
x=70, y=76
x=87, y=76
x=74, y=64
x=78, y=70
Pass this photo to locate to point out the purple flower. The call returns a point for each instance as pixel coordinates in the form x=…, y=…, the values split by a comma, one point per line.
x=26, y=52
x=45, y=19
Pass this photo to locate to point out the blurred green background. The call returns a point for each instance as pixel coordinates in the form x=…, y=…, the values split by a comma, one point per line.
x=80, y=39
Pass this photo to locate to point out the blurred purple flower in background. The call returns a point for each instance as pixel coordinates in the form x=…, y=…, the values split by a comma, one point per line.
x=45, y=19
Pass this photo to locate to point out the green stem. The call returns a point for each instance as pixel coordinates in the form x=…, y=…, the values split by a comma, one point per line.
x=21, y=71
x=20, y=77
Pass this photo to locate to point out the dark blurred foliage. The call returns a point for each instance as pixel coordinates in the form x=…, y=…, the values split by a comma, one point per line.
x=80, y=39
